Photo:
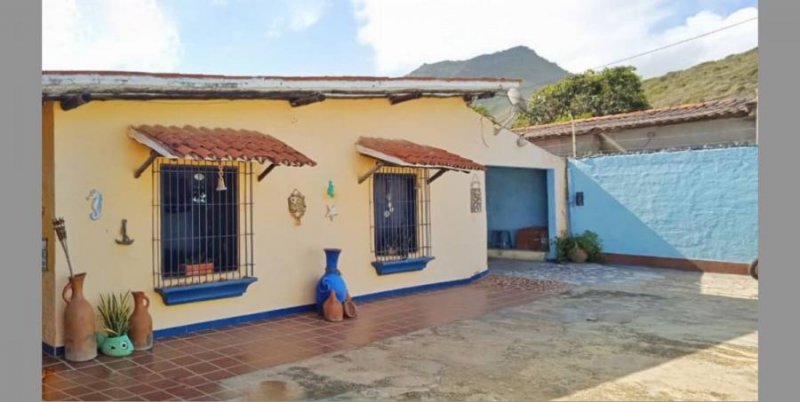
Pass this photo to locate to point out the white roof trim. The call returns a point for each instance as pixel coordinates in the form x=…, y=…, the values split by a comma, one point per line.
x=146, y=141
x=56, y=83
x=399, y=162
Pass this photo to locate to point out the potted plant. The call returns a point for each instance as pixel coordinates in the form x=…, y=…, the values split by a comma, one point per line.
x=581, y=248
x=199, y=265
x=115, y=311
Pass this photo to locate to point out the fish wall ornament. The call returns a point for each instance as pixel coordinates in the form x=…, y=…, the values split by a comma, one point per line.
x=96, y=199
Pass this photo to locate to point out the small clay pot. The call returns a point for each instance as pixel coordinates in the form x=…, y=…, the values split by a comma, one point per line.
x=350, y=307
x=332, y=310
x=577, y=254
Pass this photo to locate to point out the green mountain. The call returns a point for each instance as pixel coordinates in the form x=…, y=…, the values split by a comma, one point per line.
x=517, y=62
x=733, y=76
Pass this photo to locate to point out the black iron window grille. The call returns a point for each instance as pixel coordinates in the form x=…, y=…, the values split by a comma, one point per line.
x=400, y=218
x=202, y=221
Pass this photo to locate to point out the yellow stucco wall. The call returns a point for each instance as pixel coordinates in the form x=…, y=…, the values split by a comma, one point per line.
x=48, y=204
x=93, y=151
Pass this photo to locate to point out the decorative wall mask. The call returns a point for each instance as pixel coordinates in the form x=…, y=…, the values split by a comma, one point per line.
x=96, y=199
x=297, y=205
x=475, y=195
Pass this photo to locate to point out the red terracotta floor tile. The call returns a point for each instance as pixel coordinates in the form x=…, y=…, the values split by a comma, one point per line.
x=54, y=395
x=158, y=396
x=118, y=394
x=184, y=391
x=191, y=365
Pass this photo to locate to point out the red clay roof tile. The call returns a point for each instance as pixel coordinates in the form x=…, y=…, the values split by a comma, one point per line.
x=726, y=108
x=410, y=153
x=218, y=144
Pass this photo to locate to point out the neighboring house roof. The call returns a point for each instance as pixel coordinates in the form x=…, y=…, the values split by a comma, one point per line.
x=718, y=109
x=216, y=144
x=102, y=85
x=407, y=153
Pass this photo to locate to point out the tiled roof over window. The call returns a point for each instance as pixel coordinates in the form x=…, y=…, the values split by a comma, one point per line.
x=727, y=108
x=217, y=144
x=407, y=153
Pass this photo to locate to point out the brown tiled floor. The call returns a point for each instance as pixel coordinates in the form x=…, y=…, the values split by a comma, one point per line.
x=190, y=367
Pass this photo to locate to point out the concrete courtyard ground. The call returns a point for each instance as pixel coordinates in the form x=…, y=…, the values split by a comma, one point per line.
x=527, y=331
x=616, y=334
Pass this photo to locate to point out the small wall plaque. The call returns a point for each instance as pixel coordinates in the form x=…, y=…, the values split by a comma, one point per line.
x=476, y=199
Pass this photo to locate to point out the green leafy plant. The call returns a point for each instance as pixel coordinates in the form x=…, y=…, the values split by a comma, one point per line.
x=592, y=93
x=115, y=310
x=588, y=241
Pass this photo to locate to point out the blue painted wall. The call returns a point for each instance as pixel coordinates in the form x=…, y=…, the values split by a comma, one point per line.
x=516, y=198
x=699, y=204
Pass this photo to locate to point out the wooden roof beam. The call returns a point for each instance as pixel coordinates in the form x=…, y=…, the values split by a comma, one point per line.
x=69, y=102
x=400, y=98
x=307, y=100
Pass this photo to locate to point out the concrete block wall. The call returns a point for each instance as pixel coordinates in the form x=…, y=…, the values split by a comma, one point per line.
x=686, y=205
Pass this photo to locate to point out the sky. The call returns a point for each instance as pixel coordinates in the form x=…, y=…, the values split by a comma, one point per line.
x=382, y=37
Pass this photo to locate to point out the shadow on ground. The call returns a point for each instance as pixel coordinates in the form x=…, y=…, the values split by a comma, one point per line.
x=616, y=334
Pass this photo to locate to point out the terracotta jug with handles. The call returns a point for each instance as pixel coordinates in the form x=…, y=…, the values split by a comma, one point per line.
x=79, y=340
x=141, y=324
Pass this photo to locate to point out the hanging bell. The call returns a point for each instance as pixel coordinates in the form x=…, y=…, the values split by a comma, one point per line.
x=221, y=181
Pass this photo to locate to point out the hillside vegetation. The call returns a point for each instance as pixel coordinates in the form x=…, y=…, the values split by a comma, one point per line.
x=733, y=76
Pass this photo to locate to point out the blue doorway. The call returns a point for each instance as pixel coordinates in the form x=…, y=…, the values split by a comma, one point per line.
x=519, y=212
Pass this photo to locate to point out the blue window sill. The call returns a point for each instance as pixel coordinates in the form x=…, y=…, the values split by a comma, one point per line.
x=205, y=291
x=395, y=267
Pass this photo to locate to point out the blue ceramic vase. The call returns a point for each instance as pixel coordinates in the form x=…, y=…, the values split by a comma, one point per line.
x=331, y=280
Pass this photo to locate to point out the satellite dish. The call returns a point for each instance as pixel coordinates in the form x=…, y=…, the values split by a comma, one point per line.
x=516, y=99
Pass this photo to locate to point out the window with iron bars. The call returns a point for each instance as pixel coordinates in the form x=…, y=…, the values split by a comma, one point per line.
x=202, y=222
x=400, y=214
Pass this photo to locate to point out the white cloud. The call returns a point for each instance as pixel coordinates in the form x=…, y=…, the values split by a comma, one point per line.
x=300, y=15
x=108, y=34
x=576, y=34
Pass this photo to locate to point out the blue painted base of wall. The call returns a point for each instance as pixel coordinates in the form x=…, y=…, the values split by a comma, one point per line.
x=205, y=291
x=225, y=322
x=396, y=267
x=52, y=350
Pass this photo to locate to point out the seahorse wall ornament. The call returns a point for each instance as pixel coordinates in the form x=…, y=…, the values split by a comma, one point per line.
x=96, y=199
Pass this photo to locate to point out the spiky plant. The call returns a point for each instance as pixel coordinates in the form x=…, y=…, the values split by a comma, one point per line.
x=115, y=310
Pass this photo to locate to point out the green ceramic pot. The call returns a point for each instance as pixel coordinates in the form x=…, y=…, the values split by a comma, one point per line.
x=118, y=346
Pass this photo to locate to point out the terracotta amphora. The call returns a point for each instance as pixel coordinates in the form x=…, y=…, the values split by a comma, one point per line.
x=79, y=340
x=141, y=324
x=332, y=309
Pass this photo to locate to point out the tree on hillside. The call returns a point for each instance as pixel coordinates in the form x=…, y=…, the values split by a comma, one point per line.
x=611, y=91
